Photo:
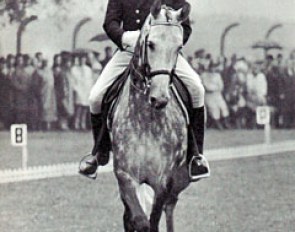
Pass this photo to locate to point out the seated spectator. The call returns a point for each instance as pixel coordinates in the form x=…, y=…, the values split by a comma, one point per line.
x=214, y=101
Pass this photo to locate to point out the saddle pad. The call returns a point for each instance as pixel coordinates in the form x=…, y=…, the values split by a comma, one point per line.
x=112, y=94
x=183, y=93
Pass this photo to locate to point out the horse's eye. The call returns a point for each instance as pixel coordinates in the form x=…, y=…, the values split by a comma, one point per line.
x=151, y=45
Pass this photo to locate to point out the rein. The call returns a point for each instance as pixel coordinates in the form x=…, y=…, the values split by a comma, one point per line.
x=144, y=71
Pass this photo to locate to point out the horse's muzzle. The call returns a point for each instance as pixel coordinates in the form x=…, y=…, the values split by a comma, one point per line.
x=159, y=103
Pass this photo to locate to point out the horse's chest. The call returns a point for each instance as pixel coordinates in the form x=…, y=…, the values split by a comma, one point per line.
x=154, y=136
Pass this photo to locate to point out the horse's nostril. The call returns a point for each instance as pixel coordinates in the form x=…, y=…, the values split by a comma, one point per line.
x=162, y=104
x=158, y=103
x=153, y=100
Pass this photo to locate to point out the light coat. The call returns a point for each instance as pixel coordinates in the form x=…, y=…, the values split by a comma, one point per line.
x=214, y=100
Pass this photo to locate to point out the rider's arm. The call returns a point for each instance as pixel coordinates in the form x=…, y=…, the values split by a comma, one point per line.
x=113, y=21
x=187, y=30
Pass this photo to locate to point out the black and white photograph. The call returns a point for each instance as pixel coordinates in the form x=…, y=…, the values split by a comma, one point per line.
x=147, y=116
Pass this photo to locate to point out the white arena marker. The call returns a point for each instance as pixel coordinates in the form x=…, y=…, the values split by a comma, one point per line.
x=263, y=118
x=19, y=138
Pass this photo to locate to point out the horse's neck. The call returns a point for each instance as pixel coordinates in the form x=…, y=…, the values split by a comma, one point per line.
x=138, y=105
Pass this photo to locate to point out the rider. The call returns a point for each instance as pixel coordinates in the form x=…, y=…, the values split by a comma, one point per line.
x=123, y=21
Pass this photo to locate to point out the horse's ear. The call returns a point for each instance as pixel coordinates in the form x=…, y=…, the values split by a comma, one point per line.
x=184, y=12
x=156, y=8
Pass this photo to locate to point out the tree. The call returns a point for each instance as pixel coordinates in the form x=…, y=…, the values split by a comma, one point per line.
x=15, y=9
x=19, y=12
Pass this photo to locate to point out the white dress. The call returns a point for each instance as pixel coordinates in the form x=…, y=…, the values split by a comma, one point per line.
x=83, y=82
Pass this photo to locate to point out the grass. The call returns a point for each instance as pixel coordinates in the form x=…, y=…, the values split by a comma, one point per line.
x=255, y=194
x=244, y=195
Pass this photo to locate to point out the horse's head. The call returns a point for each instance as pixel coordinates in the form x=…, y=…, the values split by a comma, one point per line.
x=156, y=52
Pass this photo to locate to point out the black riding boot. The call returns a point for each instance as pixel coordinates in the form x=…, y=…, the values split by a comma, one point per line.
x=198, y=165
x=100, y=151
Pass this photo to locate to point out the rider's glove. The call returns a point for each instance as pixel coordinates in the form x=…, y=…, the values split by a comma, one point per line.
x=130, y=38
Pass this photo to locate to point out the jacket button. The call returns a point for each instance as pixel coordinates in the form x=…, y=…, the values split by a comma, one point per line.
x=137, y=11
x=138, y=21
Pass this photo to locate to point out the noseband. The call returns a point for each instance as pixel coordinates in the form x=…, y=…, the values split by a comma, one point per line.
x=144, y=71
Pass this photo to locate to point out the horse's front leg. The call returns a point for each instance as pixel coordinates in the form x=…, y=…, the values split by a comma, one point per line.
x=128, y=226
x=169, y=209
x=157, y=211
x=136, y=216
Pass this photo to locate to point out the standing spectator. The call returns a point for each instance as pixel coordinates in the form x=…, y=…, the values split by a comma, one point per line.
x=76, y=72
x=10, y=66
x=235, y=98
x=57, y=70
x=256, y=87
x=47, y=95
x=108, y=55
x=216, y=106
x=190, y=60
x=197, y=61
x=21, y=82
x=279, y=71
x=273, y=95
x=96, y=66
x=66, y=94
x=34, y=106
x=4, y=85
x=10, y=70
x=82, y=86
x=288, y=95
x=228, y=74
x=38, y=59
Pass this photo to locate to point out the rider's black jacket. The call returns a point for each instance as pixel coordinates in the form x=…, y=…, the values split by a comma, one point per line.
x=129, y=15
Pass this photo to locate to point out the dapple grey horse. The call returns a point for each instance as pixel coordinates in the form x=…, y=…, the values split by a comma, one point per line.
x=149, y=130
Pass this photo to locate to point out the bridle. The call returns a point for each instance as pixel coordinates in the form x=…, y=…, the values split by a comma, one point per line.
x=144, y=71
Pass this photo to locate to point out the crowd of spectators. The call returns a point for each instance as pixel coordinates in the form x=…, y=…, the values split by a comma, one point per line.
x=56, y=96
x=48, y=97
x=236, y=87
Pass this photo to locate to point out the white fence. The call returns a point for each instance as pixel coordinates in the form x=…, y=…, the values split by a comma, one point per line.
x=71, y=169
x=43, y=172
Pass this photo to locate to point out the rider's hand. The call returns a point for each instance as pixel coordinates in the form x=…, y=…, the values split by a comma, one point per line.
x=130, y=38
